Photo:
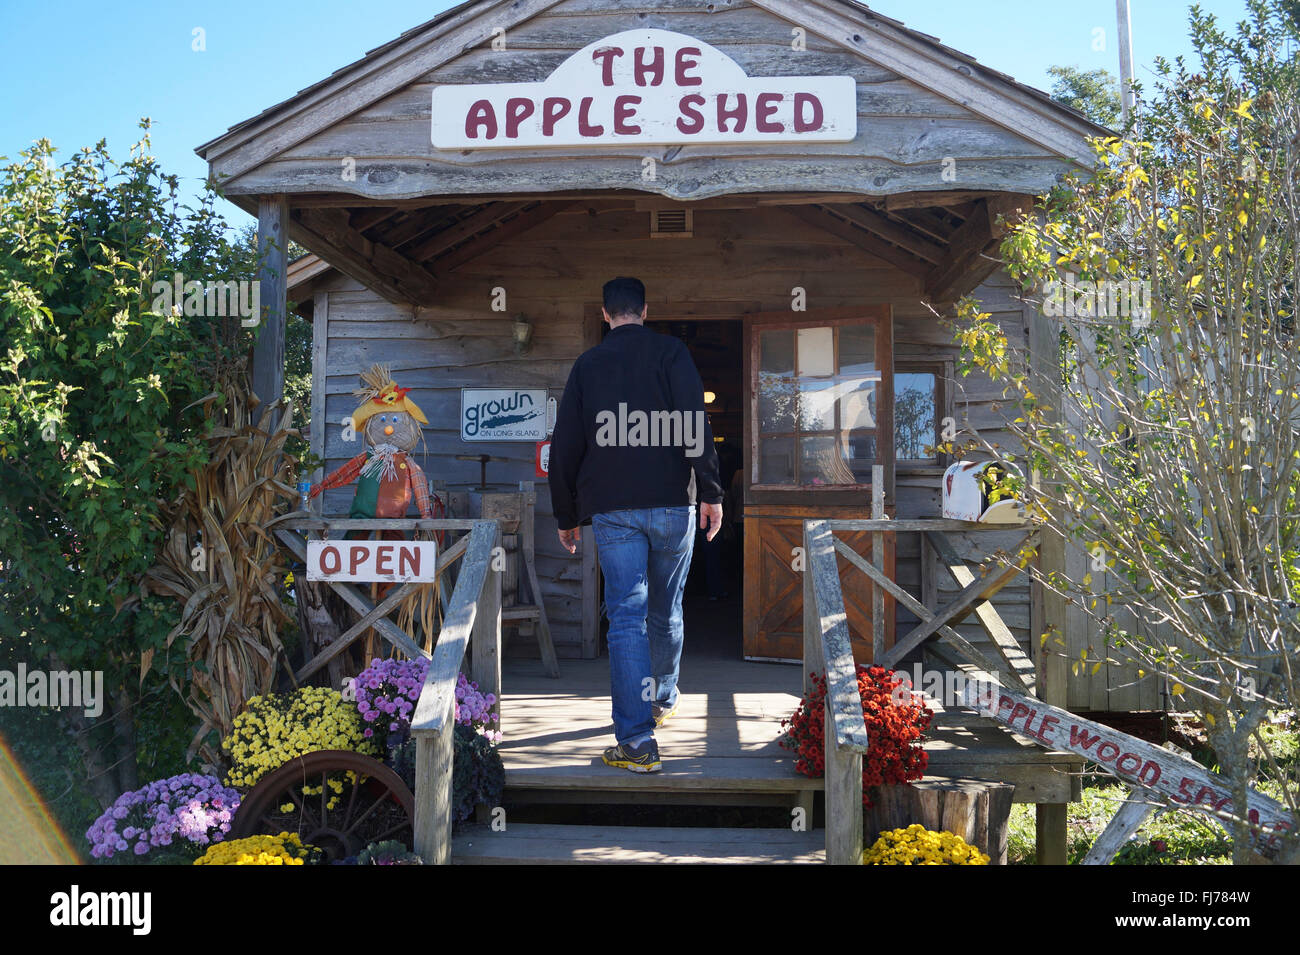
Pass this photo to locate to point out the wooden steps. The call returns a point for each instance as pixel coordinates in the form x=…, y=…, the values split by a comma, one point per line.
x=568, y=845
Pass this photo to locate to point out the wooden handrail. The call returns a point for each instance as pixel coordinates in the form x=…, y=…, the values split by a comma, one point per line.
x=301, y=521
x=827, y=649
x=474, y=614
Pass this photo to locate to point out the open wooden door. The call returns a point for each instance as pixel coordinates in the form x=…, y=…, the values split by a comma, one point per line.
x=820, y=400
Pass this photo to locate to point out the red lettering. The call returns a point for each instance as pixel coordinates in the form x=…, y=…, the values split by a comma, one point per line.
x=764, y=109
x=653, y=69
x=1137, y=763
x=330, y=561
x=625, y=109
x=1184, y=794
x=692, y=120
x=356, y=557
x=481, y=114
x=554, y=109
x=1107, y=751
x=1003, y=703
x=606, y=56
x=383, y=554
x=1150, y=773
x=739, y=114
x=1079, y=737
x=1019, y=710
x=1048, y=723
x=408, y=562
x=813, y=123
x=518, y=109
x=684, y=64
x=585, y=127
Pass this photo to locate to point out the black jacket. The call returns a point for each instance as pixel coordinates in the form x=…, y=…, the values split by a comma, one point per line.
x=631, y=417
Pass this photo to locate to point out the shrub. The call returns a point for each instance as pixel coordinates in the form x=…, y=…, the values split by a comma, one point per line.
x=894, y=727
x=189, y=810
x=283, y=849
x=276, y=728
x=917, y=845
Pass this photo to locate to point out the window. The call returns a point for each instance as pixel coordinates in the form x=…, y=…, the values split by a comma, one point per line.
x=816, y=392
x=919, y=402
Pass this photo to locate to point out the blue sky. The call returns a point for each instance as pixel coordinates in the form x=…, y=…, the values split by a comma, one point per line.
x=75, y=71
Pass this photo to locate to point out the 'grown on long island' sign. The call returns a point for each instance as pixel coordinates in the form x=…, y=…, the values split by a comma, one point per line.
x=646, y=87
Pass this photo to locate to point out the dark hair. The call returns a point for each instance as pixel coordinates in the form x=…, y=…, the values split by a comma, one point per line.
x=624, y=297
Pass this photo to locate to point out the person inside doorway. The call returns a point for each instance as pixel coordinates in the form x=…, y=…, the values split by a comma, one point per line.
x=632, y=454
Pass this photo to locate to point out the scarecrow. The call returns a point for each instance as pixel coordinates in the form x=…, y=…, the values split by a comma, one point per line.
x=388, y=480
x=386, y=477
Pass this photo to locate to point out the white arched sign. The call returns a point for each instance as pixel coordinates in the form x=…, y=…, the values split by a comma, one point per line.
x=646, y=87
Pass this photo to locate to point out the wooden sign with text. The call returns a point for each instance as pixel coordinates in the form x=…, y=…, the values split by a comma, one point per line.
x=1181, y=780
x=380, y=560
x=646, y=87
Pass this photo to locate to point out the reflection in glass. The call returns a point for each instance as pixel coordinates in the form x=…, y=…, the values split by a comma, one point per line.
x=914, y=418
x=821, y=462
x=776, y=461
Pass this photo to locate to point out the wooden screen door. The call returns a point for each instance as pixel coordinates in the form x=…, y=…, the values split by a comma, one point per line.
x=819, y=394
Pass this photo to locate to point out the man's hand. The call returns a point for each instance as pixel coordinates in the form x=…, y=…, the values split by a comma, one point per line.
x=710, y=519
x=569, y=539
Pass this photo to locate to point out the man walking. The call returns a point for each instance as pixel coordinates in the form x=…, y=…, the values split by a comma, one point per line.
x=631, y=452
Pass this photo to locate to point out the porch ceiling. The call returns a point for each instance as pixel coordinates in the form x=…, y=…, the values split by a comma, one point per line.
x=408, y=251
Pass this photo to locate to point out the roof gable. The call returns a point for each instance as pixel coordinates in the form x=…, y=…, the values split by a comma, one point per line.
x=937, y=120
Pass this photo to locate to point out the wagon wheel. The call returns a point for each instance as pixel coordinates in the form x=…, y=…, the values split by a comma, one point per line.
x=376, y=805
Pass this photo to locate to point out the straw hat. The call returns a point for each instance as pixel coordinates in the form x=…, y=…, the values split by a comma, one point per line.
x=382, y=394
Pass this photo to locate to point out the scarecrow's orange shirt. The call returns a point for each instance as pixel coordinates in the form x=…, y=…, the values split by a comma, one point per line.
x=394, y=493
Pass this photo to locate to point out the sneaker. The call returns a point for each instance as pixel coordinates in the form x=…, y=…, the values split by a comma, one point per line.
x=638, y=759
x=663, y=714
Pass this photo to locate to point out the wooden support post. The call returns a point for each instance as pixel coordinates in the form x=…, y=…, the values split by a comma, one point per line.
x=485, y=643
x=1050, y=832
x=433, y=756
x=812, y=626
x=877, y=561
x=527, y=548
x=272, y=277
x=843, y=798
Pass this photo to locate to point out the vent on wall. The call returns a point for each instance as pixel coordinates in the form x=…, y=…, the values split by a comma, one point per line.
x=671, y=223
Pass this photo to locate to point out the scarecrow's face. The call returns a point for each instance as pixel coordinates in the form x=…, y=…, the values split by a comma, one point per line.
x=393, y=427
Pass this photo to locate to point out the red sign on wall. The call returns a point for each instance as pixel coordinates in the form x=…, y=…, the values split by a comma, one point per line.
x=543, y=459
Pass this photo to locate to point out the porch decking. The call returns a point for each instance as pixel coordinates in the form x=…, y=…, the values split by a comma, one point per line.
x=720, y=749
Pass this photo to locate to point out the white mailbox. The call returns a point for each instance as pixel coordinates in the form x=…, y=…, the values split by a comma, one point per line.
x=966, y=498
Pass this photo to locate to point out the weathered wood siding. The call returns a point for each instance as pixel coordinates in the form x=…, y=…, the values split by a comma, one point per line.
x=552, y=274
x=908, y=137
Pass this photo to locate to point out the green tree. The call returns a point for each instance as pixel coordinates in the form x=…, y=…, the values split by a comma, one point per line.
x=99, y=430
x=1095, y=93
x=1171, y=450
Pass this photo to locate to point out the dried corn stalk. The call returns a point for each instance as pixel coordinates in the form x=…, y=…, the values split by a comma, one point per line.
x=232, y=612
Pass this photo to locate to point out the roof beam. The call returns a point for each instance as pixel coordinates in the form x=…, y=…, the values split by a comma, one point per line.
x=503, y=232
x=866, y=241
x=894, y=232
x=388, y=272
x=973, y=253
x=467, y=228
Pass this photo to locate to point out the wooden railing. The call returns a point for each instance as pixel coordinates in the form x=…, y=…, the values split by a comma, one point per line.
x=473, y=616
x=828, y=650
x=294, y=530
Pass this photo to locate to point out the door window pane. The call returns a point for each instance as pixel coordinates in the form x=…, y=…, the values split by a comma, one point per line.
x=776, y=461
x=816, y=405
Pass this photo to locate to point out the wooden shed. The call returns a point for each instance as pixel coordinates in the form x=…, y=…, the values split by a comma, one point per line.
x=803, y=188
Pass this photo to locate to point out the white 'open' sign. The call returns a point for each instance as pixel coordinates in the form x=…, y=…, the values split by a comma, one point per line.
x=363, y=560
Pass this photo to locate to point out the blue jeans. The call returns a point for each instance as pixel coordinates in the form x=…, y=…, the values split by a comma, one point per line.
x=644, y=555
